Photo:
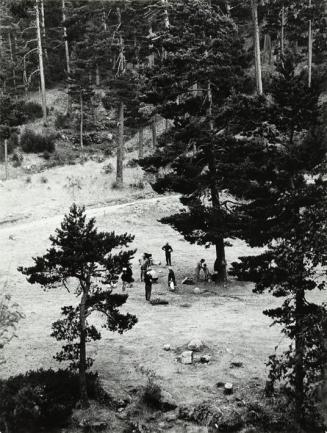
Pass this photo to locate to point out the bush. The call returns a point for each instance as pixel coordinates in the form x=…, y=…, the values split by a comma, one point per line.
x=17, y=158
x=132, y=163
x=40, y=399
x=151, y=395
x=108, y=168
x=62, y=121
x=33, y=142
x=137, y=185
x=46, y=155
x=32, y=110
x=44, y=179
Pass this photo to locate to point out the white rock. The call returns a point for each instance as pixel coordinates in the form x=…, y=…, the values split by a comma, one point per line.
x=195, y=345
x=196, y=290
x=228, y=388
x=167, y=347
x=187, y=357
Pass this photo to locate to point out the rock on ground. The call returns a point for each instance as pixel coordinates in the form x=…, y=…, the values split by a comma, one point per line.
x=187, y=357
x=196, y=345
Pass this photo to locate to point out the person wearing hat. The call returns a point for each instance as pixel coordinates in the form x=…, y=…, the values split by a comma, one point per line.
x=127, y=277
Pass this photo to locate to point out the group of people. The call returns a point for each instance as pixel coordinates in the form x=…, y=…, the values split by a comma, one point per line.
x=149, y=276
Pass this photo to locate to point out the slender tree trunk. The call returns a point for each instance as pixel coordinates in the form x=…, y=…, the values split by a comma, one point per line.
x=40, y=52
x=69, y=99
x=282, y=33
x=97, y=76
x=256, y=38
x=310, y=49
x=81, y=125
x=82, y=360
x=267, y=49
x=43, y=29
x=154, y=132
x=120, y=149
x=12, y=60
x=299, y=355
x=220, y=246
x=141, y=143
x=6, y=158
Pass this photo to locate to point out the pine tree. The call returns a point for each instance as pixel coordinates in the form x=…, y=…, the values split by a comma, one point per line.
x=88, y=263
x=281, y=189
x=203, y=62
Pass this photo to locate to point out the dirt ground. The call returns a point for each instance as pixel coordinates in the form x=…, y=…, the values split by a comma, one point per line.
x=227, y=318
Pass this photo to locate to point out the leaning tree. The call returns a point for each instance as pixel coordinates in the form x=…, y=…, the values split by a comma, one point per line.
x=88, y=263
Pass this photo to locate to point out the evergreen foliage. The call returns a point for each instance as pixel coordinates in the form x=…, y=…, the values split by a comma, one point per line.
x=87, y=262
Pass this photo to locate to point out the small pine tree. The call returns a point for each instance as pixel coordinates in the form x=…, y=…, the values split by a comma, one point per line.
x=83, y=260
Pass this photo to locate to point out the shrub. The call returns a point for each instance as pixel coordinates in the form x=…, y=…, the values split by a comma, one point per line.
x=32, y=110
x=62, y=121
x=46, y=155
x=132, y=163
x=108, y=169
x=28, y=179
x=43, y=179
x=40, y=399
x=139, y=184
x=17, y=158
x=33, y=142
x=151, y=395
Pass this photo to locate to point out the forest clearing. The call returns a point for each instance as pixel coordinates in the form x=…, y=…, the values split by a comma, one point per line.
x=163, y=216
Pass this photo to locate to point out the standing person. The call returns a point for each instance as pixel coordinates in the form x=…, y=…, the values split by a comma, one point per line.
x=206, y=272
x=171, y=280
x=168, y=250
x=198, y=268
x=148, y=285
x=124, y=278
x=129, y=276
x=143, y=266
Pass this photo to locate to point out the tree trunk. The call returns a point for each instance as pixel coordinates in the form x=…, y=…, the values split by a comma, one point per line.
x=267, y=49
x=282, y=33
x=81, y=125
x=97, y=76
x=6, y=158
x=310, y=50
x=12, y=61
x=220, y=246
x=82, y=354
x=256, y=38
x=40, y=52
x=299, y=355
x=69, y=99
x=141, y=143
x=43, y=29
x=120, y=149
x=154, y=132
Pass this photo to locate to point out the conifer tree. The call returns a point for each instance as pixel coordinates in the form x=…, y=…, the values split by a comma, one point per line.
x=188, y=85
x=88, y=263
x=279, y=146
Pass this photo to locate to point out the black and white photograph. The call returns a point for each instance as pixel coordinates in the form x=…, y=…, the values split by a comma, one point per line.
x=163, y=216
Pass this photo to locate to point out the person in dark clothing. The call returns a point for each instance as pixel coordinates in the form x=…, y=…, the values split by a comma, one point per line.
x=127, y=277
x=171, y=279
x=148, y=286
x=168, y=250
